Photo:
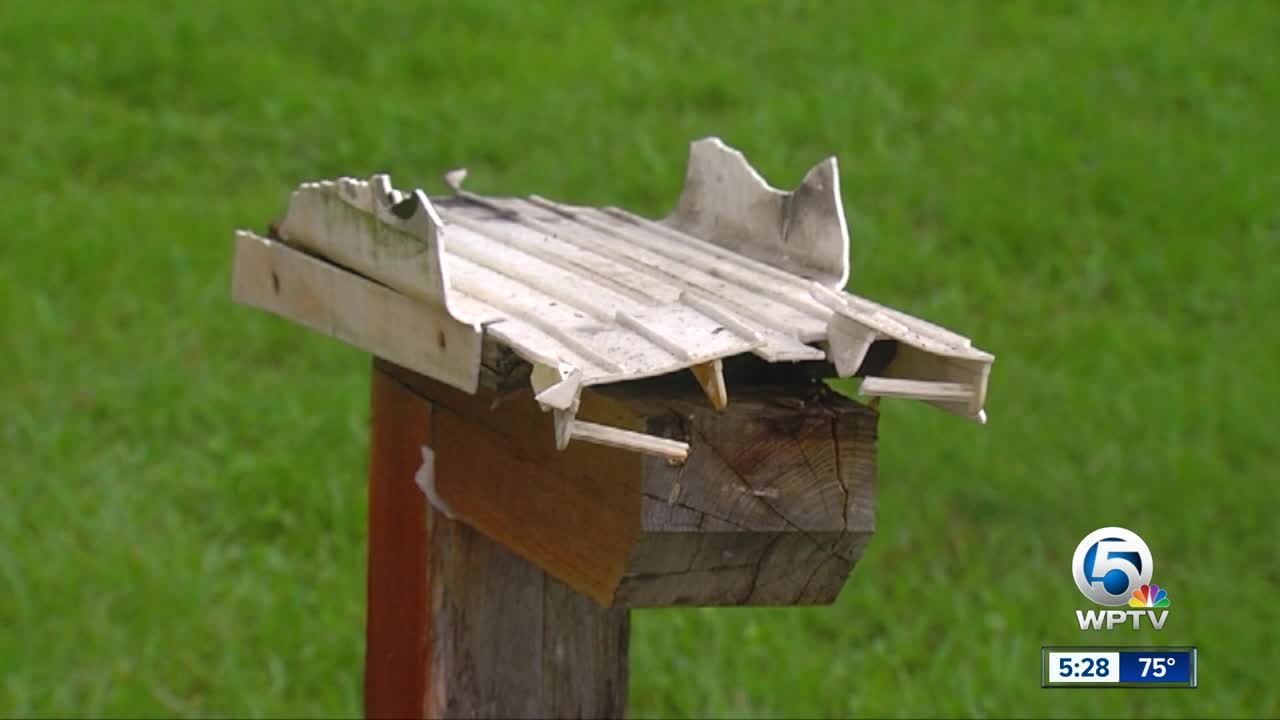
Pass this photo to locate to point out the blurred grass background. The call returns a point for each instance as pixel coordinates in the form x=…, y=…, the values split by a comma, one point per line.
x=1089, y=189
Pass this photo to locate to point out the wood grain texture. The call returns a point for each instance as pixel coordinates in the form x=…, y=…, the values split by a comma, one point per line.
x=514, y=642
x=458, y=625
x=575, y=513
x=773, y=506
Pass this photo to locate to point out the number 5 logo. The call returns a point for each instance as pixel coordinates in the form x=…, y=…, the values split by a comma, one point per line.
x=1110, y=563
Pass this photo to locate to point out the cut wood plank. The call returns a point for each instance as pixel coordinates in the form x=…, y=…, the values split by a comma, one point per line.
x=414, y=333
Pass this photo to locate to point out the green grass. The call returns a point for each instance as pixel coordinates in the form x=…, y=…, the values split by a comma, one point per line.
x=1091, y=190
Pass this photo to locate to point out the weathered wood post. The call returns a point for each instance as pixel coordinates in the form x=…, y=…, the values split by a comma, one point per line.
x=459, y=626
x=772, y=508
x=540, y=462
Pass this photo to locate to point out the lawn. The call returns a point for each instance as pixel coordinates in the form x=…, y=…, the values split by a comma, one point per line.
x=1090, y=190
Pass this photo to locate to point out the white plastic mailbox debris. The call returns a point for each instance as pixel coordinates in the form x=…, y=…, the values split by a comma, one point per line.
x=590, y=296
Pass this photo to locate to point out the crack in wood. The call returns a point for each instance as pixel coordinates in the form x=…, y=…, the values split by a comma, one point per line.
x=759, y=565
x=817, y=567
x=768, y=505
x=704, y=513
x=844, y=486
x=697, y=549
x=645, y=576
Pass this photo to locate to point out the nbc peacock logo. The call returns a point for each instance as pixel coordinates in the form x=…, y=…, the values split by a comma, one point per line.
x=1112, y=567
x=1149, y=596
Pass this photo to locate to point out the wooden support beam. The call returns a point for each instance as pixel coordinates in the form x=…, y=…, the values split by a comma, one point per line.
x=772, y=506
x=458, y=626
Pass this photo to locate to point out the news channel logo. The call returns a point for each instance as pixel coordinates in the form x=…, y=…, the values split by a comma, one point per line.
x=1112, y=567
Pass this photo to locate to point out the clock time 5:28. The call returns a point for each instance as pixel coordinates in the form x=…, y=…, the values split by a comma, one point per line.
x=1084, y=667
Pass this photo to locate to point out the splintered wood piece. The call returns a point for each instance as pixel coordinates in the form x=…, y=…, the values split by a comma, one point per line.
x=711, y=377
x=772, y=506
x=458, y=626
x=417, y=334
x=726, y=202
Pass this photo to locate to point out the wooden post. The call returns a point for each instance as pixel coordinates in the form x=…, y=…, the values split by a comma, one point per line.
x=500, y=568
x=458, y=626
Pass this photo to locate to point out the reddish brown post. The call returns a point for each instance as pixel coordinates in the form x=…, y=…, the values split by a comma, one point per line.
x=458, y=626
x=396, y=627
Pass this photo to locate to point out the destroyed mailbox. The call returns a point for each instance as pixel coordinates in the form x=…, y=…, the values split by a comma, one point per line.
x=627, y=404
